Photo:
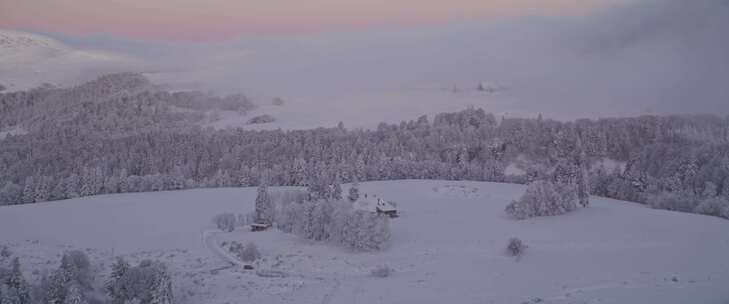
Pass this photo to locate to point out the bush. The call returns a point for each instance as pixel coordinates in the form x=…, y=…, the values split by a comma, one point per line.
x=247, y=253
x=77, y=266
x=543, y=198
x=5, y=252
x=150, y=282
x=261, y=119
x=674, y=201
x=716, y=206
x=515, y=247
x=382, y=271
x=225, y=222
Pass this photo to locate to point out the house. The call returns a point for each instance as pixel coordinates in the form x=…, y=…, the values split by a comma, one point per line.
x=377, y=205
x=259, y=227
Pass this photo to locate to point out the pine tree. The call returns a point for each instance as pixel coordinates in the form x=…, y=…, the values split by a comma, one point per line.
x=115, y=287
x=75, y=295
x=72, y=186
x=264, y=206
x=17, y=284
x=583, y=186
x=87, y=183
x=41, y=189
x=55, y=287
x=9, y=295
x=10, y=194
x=337, y=189
x=123, y=182
x=161, y=288
x=353, y=195
x=28, y=191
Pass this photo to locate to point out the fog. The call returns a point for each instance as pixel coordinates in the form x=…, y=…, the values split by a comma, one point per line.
x=632, y=58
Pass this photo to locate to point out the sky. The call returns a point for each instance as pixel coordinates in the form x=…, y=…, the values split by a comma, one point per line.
x=398, y=59
x=211, y=20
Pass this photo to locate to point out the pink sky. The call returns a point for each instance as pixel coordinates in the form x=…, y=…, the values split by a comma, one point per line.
x=222, y=19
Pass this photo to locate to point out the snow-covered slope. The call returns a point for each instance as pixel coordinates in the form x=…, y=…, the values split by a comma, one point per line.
x=28, y=60
x=447, y=246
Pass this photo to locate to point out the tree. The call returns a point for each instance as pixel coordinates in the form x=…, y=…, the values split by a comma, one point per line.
x=72, y=186
x=17, y=288
x=10, y=194
x=78, y=267
x=42, y=191
x=264, y=206
x=365, y=231
x=583, y=186
x=354, y=191
x=55, y=287
x=115, y=286
x=161, y=289
x=28, y=191
x=225, y=222
x=543, y=198
x=337, y=189
x=75, y=295
x=8, y=295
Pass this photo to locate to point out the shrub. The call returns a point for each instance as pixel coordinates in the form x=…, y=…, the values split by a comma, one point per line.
x=247, y=253
x=716, y=206
x=150, y=282
x=5, y=252
x=261, y=119
x=225, y=222
x=77, y=266
x=515, y=247
x=382, y=271
x=674, y=201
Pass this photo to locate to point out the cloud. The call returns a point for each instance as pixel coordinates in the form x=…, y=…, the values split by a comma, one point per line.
x=643, y=56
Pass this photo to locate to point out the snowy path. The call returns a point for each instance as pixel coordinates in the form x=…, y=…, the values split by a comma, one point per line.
x=209, y=240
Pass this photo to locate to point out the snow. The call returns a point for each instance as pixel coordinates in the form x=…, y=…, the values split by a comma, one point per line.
x=513, y=169
x=12, y=131
x=448, y=246
x=28, y=60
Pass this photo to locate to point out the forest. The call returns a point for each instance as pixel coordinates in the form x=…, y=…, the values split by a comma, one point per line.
x=129, y=136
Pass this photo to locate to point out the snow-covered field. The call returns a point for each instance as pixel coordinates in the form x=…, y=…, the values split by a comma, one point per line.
x=447, y=246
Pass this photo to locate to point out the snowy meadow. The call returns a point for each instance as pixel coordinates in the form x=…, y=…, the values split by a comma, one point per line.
x=449, y=244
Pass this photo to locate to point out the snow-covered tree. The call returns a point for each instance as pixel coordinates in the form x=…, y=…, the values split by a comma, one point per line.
x=337, y=189
x=583, y=185
x=225, y=221
x=28, y=191
x=161, y=289
x=265, y=211
x=543, y=198
x=353, y=195
x=75, y=295
x=10, y=194
x=17, y=290
x=365, y=231
x=115, y=286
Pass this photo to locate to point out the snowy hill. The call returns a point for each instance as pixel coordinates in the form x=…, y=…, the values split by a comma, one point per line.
x=119, y=103
x=448, y=246
x=14, y=44
x=28, y=60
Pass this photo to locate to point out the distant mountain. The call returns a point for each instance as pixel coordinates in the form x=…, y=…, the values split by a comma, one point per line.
x=20, y=45
x=28, y=60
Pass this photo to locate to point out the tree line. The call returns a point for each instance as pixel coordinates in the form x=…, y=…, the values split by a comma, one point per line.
x=686, y=155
